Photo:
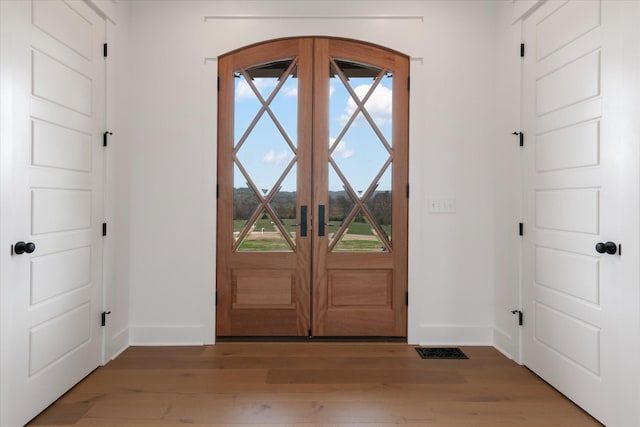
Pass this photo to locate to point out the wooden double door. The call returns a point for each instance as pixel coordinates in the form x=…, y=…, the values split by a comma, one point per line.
x=312, y=190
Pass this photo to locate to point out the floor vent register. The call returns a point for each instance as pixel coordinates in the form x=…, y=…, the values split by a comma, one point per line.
x=441, y=353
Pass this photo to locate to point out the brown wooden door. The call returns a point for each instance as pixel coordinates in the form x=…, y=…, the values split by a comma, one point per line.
x=312, y=174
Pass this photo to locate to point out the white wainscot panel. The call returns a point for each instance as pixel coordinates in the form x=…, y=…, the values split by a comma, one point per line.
x=575, y=210
x=566, y=24
x=60, y=21
x=60, y=210
x=58, y=83
x=572, y=274
x=57, y=273
x=572, y=83
x=57, y=337
x=60, y=147
x=572, y=147
x=576, y=340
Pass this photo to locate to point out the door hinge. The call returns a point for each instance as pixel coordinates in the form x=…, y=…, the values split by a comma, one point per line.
x=520, y=316
x=521, y=135
x=218, y=83
x=104, y=50
x=521, y=50
x=104, y=138
x=103, y=318
x=216, y=298
x=104, y=228
x=408, y=83
x=521, y=229
x=406, y=299
x=217, y=191
x=407, y=191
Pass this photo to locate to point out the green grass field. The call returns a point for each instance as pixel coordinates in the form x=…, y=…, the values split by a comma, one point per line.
x=359, y=246
x=361, y=228
x=289, y=224
x=264, y=245
x=277, y=244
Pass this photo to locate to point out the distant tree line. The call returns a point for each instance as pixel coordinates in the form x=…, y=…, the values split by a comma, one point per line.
x=245, y=203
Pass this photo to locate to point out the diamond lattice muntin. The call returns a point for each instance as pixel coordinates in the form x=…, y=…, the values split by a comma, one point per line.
x=360, y=157
x=265, y=157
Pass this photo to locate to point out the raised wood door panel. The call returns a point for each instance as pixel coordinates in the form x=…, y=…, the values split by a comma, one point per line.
x=359, y=289
x=263, y=277
x=346, y=167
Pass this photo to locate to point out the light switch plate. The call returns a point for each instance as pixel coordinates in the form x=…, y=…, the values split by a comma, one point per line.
x=442, y=205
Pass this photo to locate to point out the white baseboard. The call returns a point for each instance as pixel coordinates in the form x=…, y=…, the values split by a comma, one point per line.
x=447, y=335
x=503, y=343
x=451, y=335
x=119, y=343
x=166, y=335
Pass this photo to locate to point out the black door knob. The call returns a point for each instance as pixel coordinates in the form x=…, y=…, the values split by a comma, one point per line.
x=22, y=247
x=608, y=247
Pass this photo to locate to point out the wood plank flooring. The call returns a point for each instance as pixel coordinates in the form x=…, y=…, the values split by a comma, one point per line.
x=310, y=384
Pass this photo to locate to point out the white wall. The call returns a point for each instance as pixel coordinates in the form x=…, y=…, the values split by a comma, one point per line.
x=168, y=226
x=456, y=149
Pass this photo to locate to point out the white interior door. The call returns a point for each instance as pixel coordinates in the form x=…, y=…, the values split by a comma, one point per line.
x=53, y=118
x=575, y=196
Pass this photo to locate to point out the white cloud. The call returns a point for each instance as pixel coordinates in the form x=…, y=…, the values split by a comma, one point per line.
x=277, y=159
x=379, y=104
x=341, y=150
x=290, y=91
x=264, y=86
x=331, y=90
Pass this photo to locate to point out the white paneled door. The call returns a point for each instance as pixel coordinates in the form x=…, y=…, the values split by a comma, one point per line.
x=574, y=205
x=53, y=119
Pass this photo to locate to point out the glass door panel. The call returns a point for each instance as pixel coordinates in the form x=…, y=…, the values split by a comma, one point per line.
x=265, y=157
x=264, y=235
x=360, y=156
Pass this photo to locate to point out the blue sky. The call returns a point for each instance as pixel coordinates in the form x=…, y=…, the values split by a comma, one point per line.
x=265, y=153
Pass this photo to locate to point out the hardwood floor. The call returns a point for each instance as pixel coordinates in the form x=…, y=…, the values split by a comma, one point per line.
x=311, y=384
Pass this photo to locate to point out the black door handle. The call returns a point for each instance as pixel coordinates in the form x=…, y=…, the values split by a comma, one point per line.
x=321, y=220
x=609, y=247
x=22, y=247
x=303, y=221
